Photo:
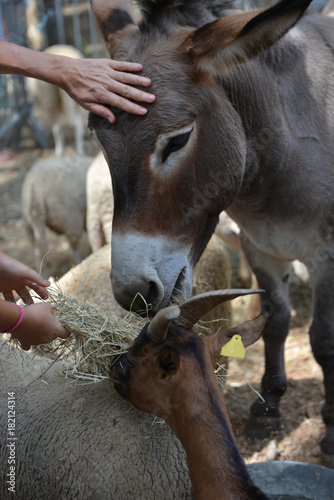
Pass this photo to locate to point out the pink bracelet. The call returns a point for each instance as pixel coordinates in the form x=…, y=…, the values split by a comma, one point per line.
x=18, y=321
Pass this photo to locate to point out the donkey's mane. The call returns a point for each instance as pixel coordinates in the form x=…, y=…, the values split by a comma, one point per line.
x=152, y=9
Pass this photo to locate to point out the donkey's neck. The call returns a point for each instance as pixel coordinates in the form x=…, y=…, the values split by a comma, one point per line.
x=216, y=467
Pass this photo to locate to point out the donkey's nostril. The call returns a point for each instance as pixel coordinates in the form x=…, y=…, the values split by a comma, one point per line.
x=140, y=295
x=153, y=294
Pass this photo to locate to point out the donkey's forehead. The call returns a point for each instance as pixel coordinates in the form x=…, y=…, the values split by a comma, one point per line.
x=176, y=106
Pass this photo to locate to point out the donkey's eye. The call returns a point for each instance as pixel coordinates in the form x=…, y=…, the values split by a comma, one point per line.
x=174, y=144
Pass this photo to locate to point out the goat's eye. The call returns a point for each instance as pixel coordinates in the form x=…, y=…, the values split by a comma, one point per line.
x=174, y=144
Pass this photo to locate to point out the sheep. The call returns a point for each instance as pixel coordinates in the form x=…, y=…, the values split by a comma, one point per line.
x=79, y=441
x=61, y=111
x=100, y=203
x=169, y=372
x=89, y=282
x=54, y=196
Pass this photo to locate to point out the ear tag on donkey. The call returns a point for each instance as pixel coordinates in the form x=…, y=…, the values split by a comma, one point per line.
x=234, y=348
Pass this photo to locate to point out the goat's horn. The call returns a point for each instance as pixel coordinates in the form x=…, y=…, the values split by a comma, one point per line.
x=157, y=329
x=195, y=307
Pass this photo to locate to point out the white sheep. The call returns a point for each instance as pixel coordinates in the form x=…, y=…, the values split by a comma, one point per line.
x=79, y=441
x=60, y=110
x=100, y=203
x=54, y=196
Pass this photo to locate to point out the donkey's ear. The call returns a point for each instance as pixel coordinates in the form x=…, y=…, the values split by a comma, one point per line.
x=223, y=44
x=115, y=19
x=249, y=332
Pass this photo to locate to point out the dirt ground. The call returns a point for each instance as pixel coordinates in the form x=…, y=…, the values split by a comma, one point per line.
x=301, y=424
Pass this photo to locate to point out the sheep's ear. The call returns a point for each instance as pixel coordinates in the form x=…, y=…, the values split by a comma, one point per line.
x=115, y=20
x=194, y=308
x=167, y=363
x=225, y=43
x=249, y=332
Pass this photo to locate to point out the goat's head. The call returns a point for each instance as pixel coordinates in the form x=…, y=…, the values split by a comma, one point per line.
x=169, y=361
x=174, y=170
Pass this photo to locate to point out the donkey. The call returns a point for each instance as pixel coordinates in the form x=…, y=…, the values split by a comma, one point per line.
x=243, y=121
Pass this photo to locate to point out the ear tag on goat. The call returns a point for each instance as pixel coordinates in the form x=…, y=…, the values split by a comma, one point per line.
x=234, y=348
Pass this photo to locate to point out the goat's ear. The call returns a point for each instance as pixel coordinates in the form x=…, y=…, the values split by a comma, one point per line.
x=167, y=363
x=115, y=20
x=249, y=332
x=223, y=44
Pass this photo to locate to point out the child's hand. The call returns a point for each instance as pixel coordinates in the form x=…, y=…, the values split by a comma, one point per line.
x=39, y=326
x=17, y=276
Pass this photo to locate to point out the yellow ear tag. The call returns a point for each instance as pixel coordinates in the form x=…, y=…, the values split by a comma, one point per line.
x=234, y=348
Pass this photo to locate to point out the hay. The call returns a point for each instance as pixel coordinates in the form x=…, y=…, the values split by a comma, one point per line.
x=97, y=338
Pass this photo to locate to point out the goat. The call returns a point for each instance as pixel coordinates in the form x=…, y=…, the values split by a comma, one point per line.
x=243, y=122
x=169, y=371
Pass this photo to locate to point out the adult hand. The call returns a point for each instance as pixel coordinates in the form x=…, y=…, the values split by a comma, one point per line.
x=94, y=83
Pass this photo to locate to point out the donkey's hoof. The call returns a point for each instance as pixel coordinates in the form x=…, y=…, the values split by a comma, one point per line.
x=261, y=427
x=327, y=460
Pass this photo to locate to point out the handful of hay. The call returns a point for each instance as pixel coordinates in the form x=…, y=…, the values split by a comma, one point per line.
x=96, y=339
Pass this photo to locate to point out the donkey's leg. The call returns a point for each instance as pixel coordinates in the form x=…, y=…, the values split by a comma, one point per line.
x=273, y=276
x=322, y=342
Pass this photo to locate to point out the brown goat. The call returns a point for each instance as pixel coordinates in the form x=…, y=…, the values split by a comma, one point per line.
x=169, y=372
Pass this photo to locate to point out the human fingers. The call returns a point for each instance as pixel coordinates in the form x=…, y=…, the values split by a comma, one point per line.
x=122, y=65
x=58, y=329
x=118, y=102
x=40, y=289
x=33, y=278
x=24, y=294
x=25, y=345
x=9, y=296
x=123, y=84
x=132, y=79
x=103, y=111
x=63, y=333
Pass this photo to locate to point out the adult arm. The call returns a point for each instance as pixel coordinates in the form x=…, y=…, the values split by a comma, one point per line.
x=92, y=83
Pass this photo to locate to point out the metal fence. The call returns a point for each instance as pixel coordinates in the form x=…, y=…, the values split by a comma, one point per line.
x=39, y=24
